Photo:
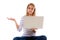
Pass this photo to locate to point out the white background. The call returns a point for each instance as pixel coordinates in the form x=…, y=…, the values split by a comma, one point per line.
x=50, y=9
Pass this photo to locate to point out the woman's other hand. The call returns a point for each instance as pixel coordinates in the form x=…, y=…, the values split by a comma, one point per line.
x=33, y=29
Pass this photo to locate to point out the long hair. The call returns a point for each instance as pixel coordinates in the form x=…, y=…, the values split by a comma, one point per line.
x=33, y=14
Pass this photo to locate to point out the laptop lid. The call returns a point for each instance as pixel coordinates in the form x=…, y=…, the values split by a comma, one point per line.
x=33, y=22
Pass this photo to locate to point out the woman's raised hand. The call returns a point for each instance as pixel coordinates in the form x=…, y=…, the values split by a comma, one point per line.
x=11, y=19
x=17, y=26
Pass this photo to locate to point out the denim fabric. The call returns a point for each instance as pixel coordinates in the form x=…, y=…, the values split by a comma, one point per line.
x=31, y=38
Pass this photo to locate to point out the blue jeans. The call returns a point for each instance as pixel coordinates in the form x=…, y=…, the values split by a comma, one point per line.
x=31, y=38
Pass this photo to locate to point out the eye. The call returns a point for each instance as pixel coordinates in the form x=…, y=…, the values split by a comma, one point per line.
x=31, y=8
x=28, y=7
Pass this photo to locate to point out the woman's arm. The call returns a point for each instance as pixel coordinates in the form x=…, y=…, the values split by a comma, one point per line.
x=12, y=19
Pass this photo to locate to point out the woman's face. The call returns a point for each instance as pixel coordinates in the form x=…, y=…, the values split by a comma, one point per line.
x=30, y=9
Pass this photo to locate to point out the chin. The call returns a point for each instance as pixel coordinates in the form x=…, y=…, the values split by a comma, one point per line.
x=30, y=13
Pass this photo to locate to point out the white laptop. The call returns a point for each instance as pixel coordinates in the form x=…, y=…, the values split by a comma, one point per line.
x=33, y=22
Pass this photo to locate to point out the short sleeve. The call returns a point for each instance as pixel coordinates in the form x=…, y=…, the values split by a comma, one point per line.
x=21, y=24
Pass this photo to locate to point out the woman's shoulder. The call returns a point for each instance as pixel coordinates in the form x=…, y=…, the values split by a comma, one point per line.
x=22, y=18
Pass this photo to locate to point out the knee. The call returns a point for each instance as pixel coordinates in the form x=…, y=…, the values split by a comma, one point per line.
x=16, y=38
x=43, y=37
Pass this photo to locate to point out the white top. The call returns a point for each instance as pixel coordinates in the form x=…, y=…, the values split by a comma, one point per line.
x=27, y=32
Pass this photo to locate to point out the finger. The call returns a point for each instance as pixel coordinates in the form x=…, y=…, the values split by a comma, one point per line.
x=7, y=18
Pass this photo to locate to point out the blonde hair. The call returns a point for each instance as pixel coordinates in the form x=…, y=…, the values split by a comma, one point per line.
x=33, y=14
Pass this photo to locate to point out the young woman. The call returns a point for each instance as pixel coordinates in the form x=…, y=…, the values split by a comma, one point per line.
x=30, y=12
